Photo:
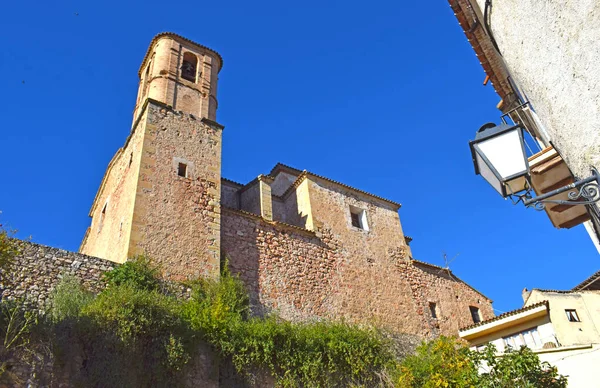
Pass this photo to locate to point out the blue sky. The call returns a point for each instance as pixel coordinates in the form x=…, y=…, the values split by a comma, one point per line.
x=383, y=97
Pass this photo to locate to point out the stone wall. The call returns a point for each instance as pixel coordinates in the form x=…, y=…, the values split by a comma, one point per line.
x=452, y=298
x=176, y=218
x=34, y=274
x=112, y=211
x=285, y=268
x=306, y=275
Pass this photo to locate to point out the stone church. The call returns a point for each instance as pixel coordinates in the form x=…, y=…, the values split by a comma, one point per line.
x=306, y=246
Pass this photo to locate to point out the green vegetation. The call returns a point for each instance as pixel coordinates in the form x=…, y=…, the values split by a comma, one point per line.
x=138, y=272
x=133, y=334
x=308, y=355
x=445, y=363
x=9, y=247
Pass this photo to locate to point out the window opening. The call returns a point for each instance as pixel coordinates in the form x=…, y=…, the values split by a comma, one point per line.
x=572, y=315
x=475, y=314
x=358, y=218
x=530, y=338
x=188, y=67
x=182, y=170
x=102, y=215
x=355, y=220
x=432, y=308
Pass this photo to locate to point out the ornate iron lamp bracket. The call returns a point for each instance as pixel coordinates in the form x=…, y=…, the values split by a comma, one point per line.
x=583, y=192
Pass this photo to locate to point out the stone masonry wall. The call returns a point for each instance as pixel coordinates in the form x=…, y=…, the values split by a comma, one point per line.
x=285, y=269
x=177, y=219
x=112, y=212
x=452, y=297
x=304, y=275
x=34, y=274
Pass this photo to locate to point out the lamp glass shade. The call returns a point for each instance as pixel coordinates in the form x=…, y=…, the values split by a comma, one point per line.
x=488, y=174
x=500, y=158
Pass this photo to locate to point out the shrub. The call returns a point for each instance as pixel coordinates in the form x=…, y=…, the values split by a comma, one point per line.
x=139, y=272
x=16, y=326
x=9, y=247
x=68, y=298
x=317, y=354
x=131, y=313
x=439, y=363
x=446, y=363
x=516, y=369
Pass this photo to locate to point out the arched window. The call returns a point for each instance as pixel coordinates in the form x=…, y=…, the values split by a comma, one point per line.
x=189, y=66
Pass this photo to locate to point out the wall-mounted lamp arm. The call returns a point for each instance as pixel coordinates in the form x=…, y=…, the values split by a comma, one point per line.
x=583, y=192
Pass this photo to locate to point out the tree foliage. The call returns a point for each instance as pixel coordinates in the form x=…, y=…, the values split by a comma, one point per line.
x=516, y=369
x=446, y=363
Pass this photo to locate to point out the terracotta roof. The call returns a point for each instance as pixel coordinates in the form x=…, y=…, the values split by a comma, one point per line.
x=489, y=58
x=302, y=174
x=508, y=314
x=557, y=291
x=173, y=35
x=230, y=181
x=591, y=283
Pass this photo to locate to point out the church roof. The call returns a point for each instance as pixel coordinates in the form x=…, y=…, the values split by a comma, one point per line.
x=280, y=167
x=179, y=37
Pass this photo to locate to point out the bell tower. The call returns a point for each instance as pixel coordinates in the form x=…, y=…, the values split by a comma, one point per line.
x=160, y=195
x=181, y=74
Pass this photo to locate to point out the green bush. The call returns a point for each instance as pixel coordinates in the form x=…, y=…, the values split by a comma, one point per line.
x=9, y=247
x=130, y=312
x=516, y=369
x=445, y=362
x=16, y=325
x=68, y=298
x=440, y=363
x=318, y=354
x=139, y=272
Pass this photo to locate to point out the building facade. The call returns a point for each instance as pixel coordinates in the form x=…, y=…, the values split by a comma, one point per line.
x=562, y=327
x=305, y=245
x=542, y=59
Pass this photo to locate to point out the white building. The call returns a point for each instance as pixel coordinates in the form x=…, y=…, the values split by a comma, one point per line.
x=562, y=327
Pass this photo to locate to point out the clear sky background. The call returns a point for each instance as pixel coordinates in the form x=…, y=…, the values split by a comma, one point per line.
x=383, y=96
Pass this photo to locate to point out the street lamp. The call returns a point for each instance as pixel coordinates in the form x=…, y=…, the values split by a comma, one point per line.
x=499, y=156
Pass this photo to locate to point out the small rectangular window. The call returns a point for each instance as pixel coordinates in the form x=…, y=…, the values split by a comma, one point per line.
x=182, y=170
x=475, y=314
x=102, y=215
x=358, y=218
x=433, y=309
x=572, y=315
x=355, y=220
